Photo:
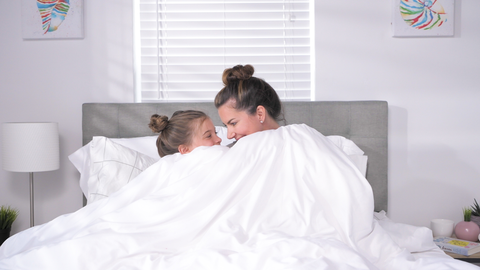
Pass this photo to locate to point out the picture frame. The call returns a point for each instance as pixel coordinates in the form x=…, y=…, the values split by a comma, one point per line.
x=52, y=19
x=423, y=18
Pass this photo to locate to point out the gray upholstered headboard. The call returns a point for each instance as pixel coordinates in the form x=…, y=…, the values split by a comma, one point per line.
x=364, y=122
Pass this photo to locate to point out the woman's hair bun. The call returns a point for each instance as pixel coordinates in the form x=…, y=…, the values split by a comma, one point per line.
x=158, y=123
x=237, y=72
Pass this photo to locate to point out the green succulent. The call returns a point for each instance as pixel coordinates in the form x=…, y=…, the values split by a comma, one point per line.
x=7, y=217
x=475, y=208
x=467, y=213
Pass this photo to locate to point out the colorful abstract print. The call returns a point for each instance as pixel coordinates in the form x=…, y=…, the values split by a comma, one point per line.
x=53, y=13
x=423, y=14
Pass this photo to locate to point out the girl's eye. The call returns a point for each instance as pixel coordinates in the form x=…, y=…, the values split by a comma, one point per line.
x=233, y=124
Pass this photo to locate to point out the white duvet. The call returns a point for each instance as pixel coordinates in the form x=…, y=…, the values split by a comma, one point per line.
x=279, y=199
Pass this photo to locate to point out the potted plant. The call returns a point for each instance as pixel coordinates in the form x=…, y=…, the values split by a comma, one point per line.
x=466, y=229
x=7, y=217
x=475, y=212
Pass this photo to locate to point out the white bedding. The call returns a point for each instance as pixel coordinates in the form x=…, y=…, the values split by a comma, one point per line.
x=106, y=164
x=282, y=199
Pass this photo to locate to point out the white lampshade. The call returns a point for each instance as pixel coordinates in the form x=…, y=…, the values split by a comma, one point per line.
x=30, y=147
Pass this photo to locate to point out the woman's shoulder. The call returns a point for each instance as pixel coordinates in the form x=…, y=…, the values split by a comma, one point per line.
x=299, y=127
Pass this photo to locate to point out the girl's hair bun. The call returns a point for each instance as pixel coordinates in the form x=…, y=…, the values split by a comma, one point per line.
x=158, y=123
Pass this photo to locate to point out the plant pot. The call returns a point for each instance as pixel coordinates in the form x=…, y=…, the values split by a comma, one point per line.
x=4, y=234
x=467, y=230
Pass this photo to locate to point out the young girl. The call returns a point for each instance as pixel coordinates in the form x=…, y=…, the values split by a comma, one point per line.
x=183, y=132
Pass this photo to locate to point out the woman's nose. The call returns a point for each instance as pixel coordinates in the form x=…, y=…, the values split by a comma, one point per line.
x=230, y=134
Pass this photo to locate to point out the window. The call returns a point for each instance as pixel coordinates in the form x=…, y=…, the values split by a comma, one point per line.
x=182, y=47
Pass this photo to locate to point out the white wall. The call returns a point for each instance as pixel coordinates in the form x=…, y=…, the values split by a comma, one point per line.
x=433, y=89
x=431, y=85
x=48, y=80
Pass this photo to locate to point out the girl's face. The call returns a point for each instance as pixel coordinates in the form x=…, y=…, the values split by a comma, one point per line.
x=205, y=135
x=239, y=123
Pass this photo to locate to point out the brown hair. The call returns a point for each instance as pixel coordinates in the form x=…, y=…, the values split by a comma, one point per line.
x=176, y=131
x=248, y=92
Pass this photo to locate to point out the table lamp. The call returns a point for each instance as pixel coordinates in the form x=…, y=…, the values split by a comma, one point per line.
x=30, y=147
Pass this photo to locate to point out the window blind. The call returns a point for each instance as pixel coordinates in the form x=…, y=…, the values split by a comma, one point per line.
x=182, y=47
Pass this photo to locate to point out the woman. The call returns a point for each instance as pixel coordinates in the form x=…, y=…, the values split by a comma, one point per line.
x=247, y=104
x=185, y=131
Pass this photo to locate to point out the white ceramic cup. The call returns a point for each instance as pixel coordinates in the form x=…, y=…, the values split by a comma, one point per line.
x=442, y=227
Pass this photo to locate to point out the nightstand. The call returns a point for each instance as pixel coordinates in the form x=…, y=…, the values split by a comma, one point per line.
x=474, y=258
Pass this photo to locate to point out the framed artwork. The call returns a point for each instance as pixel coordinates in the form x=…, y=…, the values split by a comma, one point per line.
x=423, y=18
x=52, y=19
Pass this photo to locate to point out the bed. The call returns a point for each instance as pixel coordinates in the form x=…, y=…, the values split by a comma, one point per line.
x=363, y=122
x=290, y=198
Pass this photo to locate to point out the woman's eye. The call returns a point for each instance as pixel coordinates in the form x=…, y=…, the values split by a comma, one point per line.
x=233, y=124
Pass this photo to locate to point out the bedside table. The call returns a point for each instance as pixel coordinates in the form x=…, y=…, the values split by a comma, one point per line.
x=474, y=258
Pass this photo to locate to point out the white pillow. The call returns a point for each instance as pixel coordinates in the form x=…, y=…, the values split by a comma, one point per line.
x=348, y=146
x=146, y=145
x=354, y=153
x=360, y=161
x=112, y=166
x=81, y=160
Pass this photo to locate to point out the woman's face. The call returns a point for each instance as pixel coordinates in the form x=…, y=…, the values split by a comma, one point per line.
x=238, y=123
x=205, y=135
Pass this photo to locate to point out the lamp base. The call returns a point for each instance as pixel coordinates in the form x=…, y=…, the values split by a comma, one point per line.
x=32, y=223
